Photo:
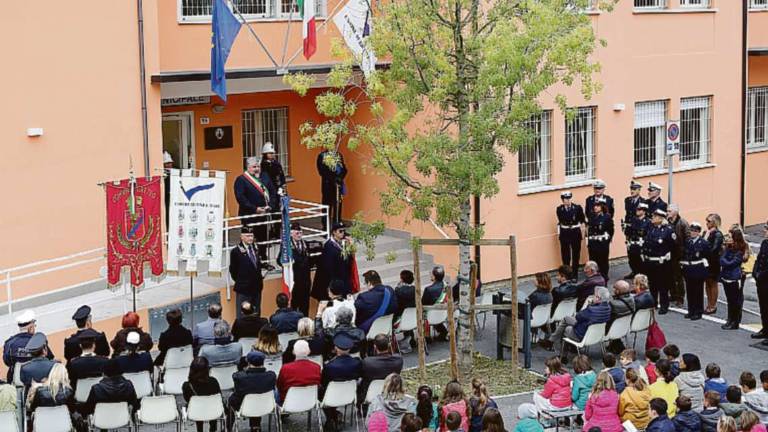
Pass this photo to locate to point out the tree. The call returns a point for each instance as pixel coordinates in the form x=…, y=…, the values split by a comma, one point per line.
x=464, y=78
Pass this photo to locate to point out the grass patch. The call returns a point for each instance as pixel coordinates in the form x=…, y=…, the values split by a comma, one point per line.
x=500, y=377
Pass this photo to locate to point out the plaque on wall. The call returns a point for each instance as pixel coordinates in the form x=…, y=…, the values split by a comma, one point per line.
x=218, y=137
x=157, y=323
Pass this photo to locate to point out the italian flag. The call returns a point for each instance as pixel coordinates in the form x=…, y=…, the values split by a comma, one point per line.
x=308, y=32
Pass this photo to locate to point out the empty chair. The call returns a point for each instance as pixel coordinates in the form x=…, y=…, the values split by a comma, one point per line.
x=374, y=389
x=111, y=415
x=51, y=419
x=223, y=375
x=301, y=400
x=340, y=394
x=173, y=379
x=84, y=388
x=142, y=383
x=564, y=308
x=284, y=338
x=205, y=409
x=180, y=357
x=259, y=405
x=247, y=344
x=8, y=421
x=619, y=328
x=158, y=410
x=381, y=325
x=640, y=322
x=484, y=300
x=593, y=336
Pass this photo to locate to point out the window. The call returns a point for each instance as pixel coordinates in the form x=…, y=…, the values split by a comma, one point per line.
x=200, y=10
x=650, y=4
x=266, y=125
x=695, y=127
x=758, y=4
x=694, y=3
x=650, y=140
x=580, y=144
x=533, y=159
x=757, y=117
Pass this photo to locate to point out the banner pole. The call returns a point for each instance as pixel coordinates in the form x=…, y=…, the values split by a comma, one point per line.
x=191, y=302
x=133, y=288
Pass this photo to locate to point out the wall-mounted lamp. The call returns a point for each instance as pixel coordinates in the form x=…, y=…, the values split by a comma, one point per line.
x=217, y=109
x=619, y=107
x=34, y=132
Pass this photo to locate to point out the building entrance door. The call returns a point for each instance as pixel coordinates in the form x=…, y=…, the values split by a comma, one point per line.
x=178, y=139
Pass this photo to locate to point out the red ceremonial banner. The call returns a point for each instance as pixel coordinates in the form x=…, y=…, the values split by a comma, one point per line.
x=133, y=229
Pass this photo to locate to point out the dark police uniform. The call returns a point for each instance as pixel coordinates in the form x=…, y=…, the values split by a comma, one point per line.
x=588, y=208
x=333, y=265
x=635, y=234
x=599, y=235
x=14, y=351
x=760, y=273
x=245, y=270
x=630, y=207
x=657, y=261
x=252, y=193
x=657, y=204
x=569, y=221
x=695, y=271
x=38, y=367
x=72, y=343
x=331, y=185
x=302, y=270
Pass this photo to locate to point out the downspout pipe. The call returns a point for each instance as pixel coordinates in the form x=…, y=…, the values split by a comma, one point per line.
x=744, y=69
x=143, y=76
x=477, y=227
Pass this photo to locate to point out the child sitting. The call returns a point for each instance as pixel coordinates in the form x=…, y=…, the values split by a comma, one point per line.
x=690, y=381
x=750, y=422
x=426, y=409
x=528, y=416
x=711, y=412
x=557, y=390
x=651, y=357
x=617, y=373
x=628, y=359
x=733, y=407
x=660, y=422
x=453, y=422
x=583, y=381
x=686, y=420
x=755, y=400
x=714, y=382
x=673, y=355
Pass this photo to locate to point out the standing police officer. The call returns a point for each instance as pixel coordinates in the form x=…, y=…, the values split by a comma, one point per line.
x=599, y=192
x=694, y=266
x=599, y=235
x=760, y=273
x=654, y=198
x=635, y=234
x=630, y=205
x=657, y=258
x=570, y=220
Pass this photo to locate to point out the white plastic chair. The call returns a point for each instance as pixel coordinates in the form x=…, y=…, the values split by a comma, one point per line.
x=593, y=336
x=564, y=309
x=302, y=400
x=52, y=419
x=408, y=320
x=258, y=405
x=247, y=344
x=274, y=365
x=205, y=409
x=223, y=375
x=341, y=394
x=619, y=328
x=284, y=338
x=158, y=410
x=436, y=317
x=8, y=421
x=142, y=383
x=84, y=388
x=640, y=322
x=173, y=379
x=317, y=359
x=374, y=389
x=17, y=374
x=483, y=300
x=540, y=317
x=381, y=325
x=112, y=415
x=180, y=357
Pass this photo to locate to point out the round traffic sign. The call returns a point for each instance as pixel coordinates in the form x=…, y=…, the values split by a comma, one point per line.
x=673, y=132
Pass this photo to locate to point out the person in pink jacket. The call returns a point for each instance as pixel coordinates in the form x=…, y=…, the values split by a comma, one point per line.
x=602, y=408
x=557, y=390
x=454, y=399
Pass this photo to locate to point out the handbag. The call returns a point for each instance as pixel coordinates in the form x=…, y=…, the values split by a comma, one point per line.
x=655, y=338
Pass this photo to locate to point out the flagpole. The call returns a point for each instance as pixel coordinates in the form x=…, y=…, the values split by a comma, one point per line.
x=253, y=33
x=320, y=27
x=287, y=33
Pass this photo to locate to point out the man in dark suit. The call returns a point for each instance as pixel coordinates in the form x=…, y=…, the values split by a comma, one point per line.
x=302, y=269
x=112, y=388
x=174, y=337
x=38, y=368
x=82, y=318
x=249, y=324
x=330, y=166
x=254, y=379
x=343, y=367
x=285, y=319
x=599, y=192
x=245, y=270
x=435, y=293
x=377, y=301
x=88, y=364
x=334, y=265
x=255, y=196
x=378, y=366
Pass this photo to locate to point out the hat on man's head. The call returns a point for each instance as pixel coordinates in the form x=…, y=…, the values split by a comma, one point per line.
x=246, y=230
x=133, y=338
x=566, y=195
x=295, y=226
x=598, y=184
x=82, y=313
x=654, y=186
x=695, y=226
x=642, y=206
x=268, y=148
x=25, y=318
x=600, y=200
x=167, y=158
x=337, y=226
x=635, y=185
x=660, y=212
x=36, y=343
x=255, y=358
x=343, y=341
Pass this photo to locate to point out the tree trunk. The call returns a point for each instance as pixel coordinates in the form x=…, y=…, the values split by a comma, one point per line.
x=465, y=342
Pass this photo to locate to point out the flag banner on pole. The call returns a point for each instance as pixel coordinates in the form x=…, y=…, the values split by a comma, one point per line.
x=354, y=24
x=196, y=220
x=224, y=29
x=133, y=229
x=308, y=31
x=286, y=257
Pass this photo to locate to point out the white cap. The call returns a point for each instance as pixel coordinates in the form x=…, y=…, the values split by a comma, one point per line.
x=654, y=186
x=167, y=158
x=133, y=338
x=268, y=148
x=598, y=184
x=25, y=317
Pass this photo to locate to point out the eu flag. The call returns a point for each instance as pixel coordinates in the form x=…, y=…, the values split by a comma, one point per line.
x=225, y=28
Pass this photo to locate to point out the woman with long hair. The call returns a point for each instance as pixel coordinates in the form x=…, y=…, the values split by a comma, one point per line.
x=393, y=402
x=665, y=386
x=454, y=399
x=426, y=408
x=714, y=237
x=200, y=383
x=557, y=389
x=690, y=381
x=603, y=405
x=634, y=400
x=269, y=342
x=726, y=424
x=55, y=391
x=736, y=249
x=479, y=402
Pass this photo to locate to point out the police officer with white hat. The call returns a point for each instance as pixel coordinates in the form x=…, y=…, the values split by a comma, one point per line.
x=570, y=222
x=599, y=192
x=695, y=266
x=14, y=350
x=272, y=167
x=657, y=258
x=600, y=230
x=654, y=198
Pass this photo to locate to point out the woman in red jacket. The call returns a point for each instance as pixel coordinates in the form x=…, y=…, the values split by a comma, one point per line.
x=557, y=390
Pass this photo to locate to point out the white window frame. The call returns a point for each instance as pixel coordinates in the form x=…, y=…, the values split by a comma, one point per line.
x=274, y=12
x=649, y=4
x=580, y=134
x=694, y=4
x=650, y=122
x=757, y=112
x=253, y=126
x=538, y=148
x=699, y=130
x=758, y=4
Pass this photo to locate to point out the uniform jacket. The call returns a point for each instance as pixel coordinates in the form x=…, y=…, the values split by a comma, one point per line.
x=633, y=406
x=582, y=386
x=36, y=369
x=342, y=368
x=136, y=362
x=593, y=314
x=602, y=412
x=587, y=288
x=709, y=418
x=274, y=170
x=14, y=351
x=72, y=343
x=760, y=269
x=249, y=198
x=691, y=384
x=730, y=264
x=378, y=367
x=656, y=204
x=332, y=266
x=330, y=178
x=357, y=335
x=89, y=366
x=43, y=398
x=600, y=232
x=367, y=304
x=687, y=421
x=247, y=275
x=630, y=208
x=661, y=423
x=222, y=354
x=302, y=266
x=715, y=240
x=696, y=249
x=111, y=389
x=590, y=204
x=118, y=343
x=659, y=241
x=557, y=389
x=174, y=337
x=251, y=381
x=432, y=293
x=636, y=234
x=680, y=226
x=299, y=373
x=248, y=326
x=286, y=320
x=569, y=220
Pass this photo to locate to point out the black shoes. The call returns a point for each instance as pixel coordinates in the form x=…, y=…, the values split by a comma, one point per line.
x=695, y=317
x=663, y=311
x=730, y=325
x=762, y=334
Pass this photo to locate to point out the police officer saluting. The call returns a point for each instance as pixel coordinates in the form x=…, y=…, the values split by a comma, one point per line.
x=654, y=198
x=599, y=192
x=82, y=318
x=599, y=235
x=695, y=270
x=635, y=234
x=657, y=258
x=570, y=220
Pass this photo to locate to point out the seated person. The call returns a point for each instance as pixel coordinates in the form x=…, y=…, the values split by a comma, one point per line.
x=754, y=399
x=565, y=289
x=39, y=366
x=575, y=327
x=622, y=303
x=175, y=336
x=200, y=383
x=342, y=367
x=306, y=330
x=131, y=323
x=660, y=421
x=686, y=419
x=56, y=391
x=616, y=372
x=134, y=360
x=202, y=333
x=455, y=289
x=82, y=318
x=249, y=324
x=542, y=295
x=529, y=419
x=435, y=293
x=711, y=412
x=268, y=344
x=375, y=301
x=714, y=382
x=223, y=351
x=379, y=365
x=112, y=388
x=587, y=287
x=254, y=379
x=285, y=319
x=733, y=407
x=301, y=372
x=343, y=325
x=643, y=297
x=405, y=292
x=338, y=300
x=556, y=394
x=88, y=364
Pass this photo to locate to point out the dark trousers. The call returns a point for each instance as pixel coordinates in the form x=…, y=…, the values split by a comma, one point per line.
x=600, y=256
x=695, y=295
x=678, y=282
x=334, y=207
x=659, y=281
x=735, y=297
x=260, y=234
x=255, y=301
x=635, y=261
x=762, y=299
x=300, y=298
x=570, y=252
x=211, y=426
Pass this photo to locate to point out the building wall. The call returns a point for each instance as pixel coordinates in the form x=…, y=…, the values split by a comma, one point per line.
x=758, y=23
x=757, y=160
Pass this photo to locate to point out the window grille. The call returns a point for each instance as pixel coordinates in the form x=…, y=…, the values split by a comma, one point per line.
x=533, y=157
x=650, y=140
x=757, y=117
x=580, y=134
x=695, y=130
x=758, y=4
x=266, y=125
x=650, y=4
x=200, y=10
x=694, y=3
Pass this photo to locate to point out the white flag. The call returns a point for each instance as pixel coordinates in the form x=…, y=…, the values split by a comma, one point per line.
x=354, y=23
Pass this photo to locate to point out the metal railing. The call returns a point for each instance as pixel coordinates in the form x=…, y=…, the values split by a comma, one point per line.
x=299, y=211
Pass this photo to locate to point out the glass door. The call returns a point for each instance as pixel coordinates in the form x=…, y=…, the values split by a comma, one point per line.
x=177, y=139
